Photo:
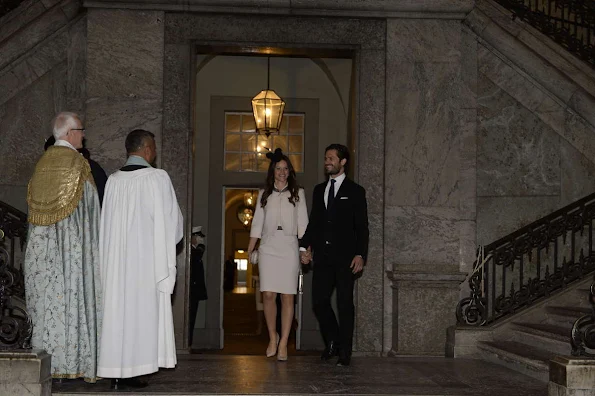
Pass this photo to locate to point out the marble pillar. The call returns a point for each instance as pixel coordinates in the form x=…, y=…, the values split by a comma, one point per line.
x=430, y=183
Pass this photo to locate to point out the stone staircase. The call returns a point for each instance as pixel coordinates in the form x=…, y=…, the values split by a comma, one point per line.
x=529, y=339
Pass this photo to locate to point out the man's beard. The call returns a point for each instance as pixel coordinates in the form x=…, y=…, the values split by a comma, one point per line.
x=330, y=172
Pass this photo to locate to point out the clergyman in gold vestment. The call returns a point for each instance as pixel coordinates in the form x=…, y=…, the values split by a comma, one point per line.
x=62, y=258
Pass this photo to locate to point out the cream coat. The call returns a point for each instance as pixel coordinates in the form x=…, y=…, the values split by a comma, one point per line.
x=280, y=212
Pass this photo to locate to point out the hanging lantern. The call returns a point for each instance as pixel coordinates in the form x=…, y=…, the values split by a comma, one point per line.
x=267, y=108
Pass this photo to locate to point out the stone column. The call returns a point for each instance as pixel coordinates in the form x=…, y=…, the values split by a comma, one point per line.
x=125, y=80
x=430, y=177
x=25, y=373
x=571, y=376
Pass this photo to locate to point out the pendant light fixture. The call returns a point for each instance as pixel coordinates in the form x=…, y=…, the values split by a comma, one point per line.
x=267, y=108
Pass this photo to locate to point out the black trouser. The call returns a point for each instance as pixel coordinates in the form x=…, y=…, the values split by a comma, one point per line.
x=194, y=300
x=331, y=273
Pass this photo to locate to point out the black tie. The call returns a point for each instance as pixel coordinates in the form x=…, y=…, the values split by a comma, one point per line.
x=331, y=195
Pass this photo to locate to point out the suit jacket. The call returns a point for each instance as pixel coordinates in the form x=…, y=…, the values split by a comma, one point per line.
x=100, y=178
x=348, y=222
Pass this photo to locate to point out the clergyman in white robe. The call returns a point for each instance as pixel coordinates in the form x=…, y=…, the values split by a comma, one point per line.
x=141, y=223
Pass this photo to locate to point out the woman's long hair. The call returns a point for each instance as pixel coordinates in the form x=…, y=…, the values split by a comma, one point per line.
x=292, y=185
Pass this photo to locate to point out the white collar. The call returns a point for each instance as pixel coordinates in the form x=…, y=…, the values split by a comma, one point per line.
x=339, y=179
x=64, y=143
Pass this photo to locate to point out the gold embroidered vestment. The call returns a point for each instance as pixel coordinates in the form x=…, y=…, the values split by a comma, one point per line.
x=57, y=185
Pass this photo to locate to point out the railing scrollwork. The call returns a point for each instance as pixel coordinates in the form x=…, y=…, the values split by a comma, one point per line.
x=582, y=336
x=571, y=23
x=15, y=322
x=530, y=264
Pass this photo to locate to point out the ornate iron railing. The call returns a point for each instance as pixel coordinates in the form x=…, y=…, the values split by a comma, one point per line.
x=571, y=23
x=583, y=330
x=15, y=322
x=531, y=263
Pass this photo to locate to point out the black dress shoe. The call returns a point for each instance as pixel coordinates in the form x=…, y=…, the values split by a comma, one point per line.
x=344, y=361
x=123, y=383
x=331, y=350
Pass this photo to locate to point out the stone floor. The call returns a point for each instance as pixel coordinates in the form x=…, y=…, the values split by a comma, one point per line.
x=307, y=375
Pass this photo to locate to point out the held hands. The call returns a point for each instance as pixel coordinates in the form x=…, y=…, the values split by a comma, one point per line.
x=306, y=257
x=357, y=264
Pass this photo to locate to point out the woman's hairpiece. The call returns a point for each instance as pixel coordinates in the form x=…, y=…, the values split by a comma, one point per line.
x=276, y=156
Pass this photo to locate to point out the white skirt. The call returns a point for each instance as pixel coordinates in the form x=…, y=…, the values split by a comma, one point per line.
x=279, y=263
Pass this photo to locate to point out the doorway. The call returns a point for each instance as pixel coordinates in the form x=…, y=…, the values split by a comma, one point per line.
x=318, y=97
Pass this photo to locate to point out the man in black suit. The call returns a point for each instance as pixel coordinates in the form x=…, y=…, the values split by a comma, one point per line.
x=337, y=235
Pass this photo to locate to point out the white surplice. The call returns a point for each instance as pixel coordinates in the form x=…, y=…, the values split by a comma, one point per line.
x=141, y=223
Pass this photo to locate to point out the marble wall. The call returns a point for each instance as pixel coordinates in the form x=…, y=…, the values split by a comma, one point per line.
x=42, y=72
x=124, y=81
x=535, y=149
x=525, y=168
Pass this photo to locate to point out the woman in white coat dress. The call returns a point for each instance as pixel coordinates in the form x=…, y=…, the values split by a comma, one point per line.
x=281, y=218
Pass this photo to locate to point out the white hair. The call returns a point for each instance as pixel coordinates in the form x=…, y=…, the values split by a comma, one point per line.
x=63, y=123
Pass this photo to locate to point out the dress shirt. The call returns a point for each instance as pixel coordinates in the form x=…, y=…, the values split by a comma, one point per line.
x=338, y=182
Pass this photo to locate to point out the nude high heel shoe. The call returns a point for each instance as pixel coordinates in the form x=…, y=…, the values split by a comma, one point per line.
x=273, y=352
x=282, y=357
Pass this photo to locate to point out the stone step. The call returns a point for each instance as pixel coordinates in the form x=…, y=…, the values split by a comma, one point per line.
x=565, y=316
x=550, y=337
x=519, y=357
x=582, y=292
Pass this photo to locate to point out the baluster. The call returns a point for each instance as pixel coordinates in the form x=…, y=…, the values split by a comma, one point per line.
x=504, y=288
x=549, y=9
x=12, y=240
x=521, y=270
x=486, y=279
x=590, y=237
x=556, y=254
x=493, y=311
x=572, y=246
x=538, y=265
